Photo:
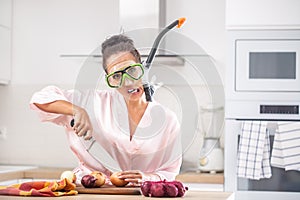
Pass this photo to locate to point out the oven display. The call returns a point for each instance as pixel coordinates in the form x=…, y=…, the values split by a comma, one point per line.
x=279, y=109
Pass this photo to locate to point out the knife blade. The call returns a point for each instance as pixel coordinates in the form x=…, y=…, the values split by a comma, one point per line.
x=99, y=153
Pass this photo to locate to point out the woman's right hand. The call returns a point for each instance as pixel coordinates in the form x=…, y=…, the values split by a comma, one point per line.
x=82, y=126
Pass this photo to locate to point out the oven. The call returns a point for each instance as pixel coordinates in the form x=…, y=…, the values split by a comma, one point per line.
x=262, y=90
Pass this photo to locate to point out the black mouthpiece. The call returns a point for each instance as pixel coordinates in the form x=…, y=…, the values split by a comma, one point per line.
x=149, y=91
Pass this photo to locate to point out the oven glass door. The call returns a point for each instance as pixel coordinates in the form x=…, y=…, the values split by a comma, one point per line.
x=280, y=181
x=267, y=65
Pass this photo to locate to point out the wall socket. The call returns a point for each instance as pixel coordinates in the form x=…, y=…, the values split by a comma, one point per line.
x=3, y=133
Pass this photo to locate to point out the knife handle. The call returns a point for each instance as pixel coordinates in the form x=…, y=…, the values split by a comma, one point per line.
x=72, y=122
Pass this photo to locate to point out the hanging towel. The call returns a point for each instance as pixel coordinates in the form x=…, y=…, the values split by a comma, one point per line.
x=286, y=146
x=254, y=151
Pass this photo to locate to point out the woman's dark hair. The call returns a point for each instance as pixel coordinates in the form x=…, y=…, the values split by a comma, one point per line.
x=117, y=44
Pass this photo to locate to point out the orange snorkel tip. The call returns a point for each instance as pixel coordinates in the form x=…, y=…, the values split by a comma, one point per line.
x=180, y=22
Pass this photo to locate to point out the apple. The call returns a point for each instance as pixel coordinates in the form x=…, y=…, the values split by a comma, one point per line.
x=69, y=175
x=114, y=178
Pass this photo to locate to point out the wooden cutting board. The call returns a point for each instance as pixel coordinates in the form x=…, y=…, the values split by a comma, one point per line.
x=110, y=189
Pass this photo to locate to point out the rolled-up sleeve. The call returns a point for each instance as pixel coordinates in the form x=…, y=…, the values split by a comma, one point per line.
x=47, y=95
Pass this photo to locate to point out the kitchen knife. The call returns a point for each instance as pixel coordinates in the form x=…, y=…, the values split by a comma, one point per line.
x=99, y=153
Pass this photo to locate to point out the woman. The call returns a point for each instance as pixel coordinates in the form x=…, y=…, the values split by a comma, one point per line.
x=143, y=138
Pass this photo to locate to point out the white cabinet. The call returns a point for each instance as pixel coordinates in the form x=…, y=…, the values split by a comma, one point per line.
x=263, y=14
x=5, y=41
x=5, y=13
x=5, y=55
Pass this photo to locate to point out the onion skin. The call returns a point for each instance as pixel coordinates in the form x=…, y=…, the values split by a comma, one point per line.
x=163, y=189
x=114, y=179
x=145, y=188
x=157, y=190
x=171, y=190
x=180, y=187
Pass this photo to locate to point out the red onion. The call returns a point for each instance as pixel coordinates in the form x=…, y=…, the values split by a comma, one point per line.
x=163, y=189
x=88, y=181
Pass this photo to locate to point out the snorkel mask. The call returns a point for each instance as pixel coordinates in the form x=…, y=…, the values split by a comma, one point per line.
x=138, y=71
x=148, y=88
x=133, y=72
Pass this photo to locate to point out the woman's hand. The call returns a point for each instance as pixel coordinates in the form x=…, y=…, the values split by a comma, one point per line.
x=83, y=126
x=136, y=177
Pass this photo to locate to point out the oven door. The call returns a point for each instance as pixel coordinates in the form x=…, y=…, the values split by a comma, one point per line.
x=281, y=186
x=267, y=65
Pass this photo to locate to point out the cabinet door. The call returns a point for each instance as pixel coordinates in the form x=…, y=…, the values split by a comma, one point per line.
x=266, y=14
x=5, y=13
x=5, y=55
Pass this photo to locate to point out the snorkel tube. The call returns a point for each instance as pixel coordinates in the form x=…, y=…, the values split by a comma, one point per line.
x=148, y=88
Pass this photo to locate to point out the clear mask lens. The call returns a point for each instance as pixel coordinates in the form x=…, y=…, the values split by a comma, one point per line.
x=134, y=72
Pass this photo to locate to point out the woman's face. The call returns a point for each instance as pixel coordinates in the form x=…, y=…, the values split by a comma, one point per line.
x=131, y=89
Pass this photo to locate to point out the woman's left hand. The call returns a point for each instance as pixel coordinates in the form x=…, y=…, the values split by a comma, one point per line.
x=133, y=176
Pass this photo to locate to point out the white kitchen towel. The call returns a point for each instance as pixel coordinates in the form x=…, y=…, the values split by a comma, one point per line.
x=286, y=146
x=254, y=151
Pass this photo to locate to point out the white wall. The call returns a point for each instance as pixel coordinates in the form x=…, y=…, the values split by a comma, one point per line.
x=43, y=30
x=205, y=25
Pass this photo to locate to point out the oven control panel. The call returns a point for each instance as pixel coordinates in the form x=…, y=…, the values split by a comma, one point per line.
x=279, y=109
